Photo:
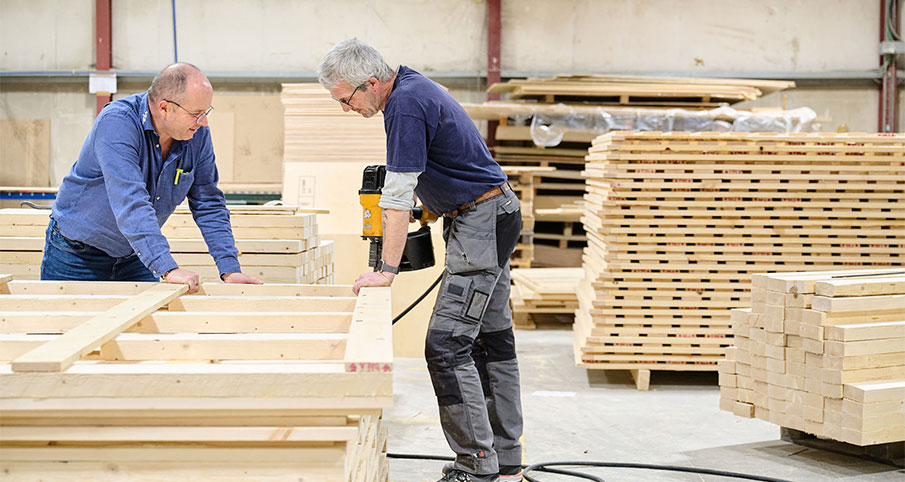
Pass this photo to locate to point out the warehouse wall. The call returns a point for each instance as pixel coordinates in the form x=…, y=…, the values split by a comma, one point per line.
x=446, y=39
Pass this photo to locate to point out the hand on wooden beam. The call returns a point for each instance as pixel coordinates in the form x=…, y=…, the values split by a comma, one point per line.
x=373, y=278
x=240, y=278
x=184, y=276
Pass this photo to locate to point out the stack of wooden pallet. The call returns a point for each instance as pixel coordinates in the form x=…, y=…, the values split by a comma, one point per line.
x=623, y=90
x=131, y=381
x=677, y=223
x=823, y=353
x=277, y=244
x=567, y=112
x=543, y=291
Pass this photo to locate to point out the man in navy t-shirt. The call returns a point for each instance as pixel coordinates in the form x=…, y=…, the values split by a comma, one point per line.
x=435, y=151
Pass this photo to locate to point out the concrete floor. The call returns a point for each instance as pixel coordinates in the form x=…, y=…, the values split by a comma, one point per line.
x=595, y=415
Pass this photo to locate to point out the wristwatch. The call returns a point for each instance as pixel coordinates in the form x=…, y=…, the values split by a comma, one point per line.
x=387, y=267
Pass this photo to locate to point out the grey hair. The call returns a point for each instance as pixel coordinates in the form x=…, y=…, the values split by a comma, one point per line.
x=170, y=82
x=354, y=62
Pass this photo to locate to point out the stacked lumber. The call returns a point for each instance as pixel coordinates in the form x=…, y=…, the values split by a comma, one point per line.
x=542, y=291
x=277, y=244
x=678, y=222
x=315, y=124
x=622, y=90
x=822, y=353
x=552, y=121
x=138, y=381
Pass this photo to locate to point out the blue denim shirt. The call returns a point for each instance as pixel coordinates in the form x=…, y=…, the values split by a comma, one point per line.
x=120, y=192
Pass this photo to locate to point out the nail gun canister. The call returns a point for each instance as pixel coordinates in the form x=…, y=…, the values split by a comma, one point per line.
x=369, y=197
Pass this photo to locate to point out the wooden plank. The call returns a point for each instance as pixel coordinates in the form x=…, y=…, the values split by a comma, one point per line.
x=887, y=285
x=59, y=354
x=252, y=381
x=858, y=303
x=866, y=331
x=261, y=303
x=866, y=347
x=186, y=322
x=5, y=278
x=371, y=321
x=282, y=434
x=121, y=288
x=874, y=392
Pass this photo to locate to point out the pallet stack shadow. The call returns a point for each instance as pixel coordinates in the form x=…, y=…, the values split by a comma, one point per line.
x=678, y=222
x=822, y=353
x=276, y=243
x=137, y=381
x=552, y=121
x=543, y=294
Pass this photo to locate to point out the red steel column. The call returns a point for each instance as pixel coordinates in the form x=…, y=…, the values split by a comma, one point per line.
x=104, y=20
x=888, y=83
x=493, y=59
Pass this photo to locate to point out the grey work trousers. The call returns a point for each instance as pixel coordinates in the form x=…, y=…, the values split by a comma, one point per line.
x=470, y=347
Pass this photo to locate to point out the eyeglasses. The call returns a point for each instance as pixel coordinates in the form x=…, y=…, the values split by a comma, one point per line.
x=198, y=117
x=346, y=101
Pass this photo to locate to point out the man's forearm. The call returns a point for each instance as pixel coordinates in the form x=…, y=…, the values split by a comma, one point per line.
x=395, y=230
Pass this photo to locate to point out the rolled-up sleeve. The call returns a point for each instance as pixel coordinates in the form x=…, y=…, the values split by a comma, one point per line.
x=399, y=190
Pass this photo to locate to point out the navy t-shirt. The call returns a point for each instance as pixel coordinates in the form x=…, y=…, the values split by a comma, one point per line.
x=428, y=131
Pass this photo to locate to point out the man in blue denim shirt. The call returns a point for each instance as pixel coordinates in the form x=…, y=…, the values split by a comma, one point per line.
x=143, y=156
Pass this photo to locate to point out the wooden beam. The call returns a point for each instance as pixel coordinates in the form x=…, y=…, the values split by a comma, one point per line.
x=186, y=322
x=326, y=379
x=367, y=349
x=178, y=434
x=59, y=354
x=858, y=303
x=262, y=303
x=232, y=346
x=29, y=287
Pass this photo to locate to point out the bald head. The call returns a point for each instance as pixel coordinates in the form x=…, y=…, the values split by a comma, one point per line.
x=172, y=82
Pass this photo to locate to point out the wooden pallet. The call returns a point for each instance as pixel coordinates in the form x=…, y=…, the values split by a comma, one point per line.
x=678, y=222
x=637, y=90
x=278, y=244
x=137, y=381
x=822, y=353
x=543, y=291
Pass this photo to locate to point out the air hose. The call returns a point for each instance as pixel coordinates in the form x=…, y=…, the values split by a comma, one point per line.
x=546, y=467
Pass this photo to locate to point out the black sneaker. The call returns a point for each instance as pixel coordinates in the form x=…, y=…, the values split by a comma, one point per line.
x=510, y=473
x=456, y=475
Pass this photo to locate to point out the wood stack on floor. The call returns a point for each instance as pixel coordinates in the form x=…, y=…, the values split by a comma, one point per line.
x=276, y=243
x=625, y=90
x=823, y=353
x=538, y=292
x=238, y=382
x=552, y=121
x=315, y=123
x=677, y=222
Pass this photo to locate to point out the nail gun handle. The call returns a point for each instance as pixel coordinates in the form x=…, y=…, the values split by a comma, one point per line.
x=422, y=215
